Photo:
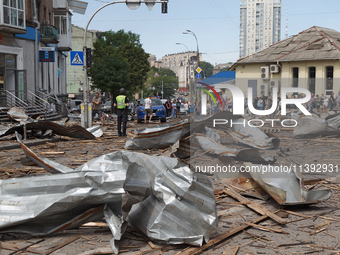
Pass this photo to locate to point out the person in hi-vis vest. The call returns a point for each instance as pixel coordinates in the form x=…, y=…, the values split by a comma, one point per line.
x=122, y=103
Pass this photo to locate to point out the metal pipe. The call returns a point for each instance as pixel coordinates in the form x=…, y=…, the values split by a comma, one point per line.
x=36, y=49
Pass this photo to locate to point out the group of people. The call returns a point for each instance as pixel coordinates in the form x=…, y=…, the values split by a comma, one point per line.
x=323, y=103
x=173, y=109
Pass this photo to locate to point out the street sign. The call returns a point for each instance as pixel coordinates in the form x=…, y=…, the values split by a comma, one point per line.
x=46, y=54
x=198, y=76
x=198, y=69
x=77, y=58
x=198, y=80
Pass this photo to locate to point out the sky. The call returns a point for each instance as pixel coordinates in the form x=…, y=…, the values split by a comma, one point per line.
x=215, y=23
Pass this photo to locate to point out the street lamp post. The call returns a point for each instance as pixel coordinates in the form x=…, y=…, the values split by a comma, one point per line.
x=86, y=113
x=198, y=54
x=189, y=72
x=162, y=85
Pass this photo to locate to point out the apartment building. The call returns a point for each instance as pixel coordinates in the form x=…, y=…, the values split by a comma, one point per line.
x=35, y=37
x=182, y=64
x=260, y=25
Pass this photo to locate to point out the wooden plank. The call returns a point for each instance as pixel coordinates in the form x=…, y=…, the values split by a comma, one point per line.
x=230, y=250
x=266, y=228
x=219, y=238
x=254, y=206
x=72, y=239
x=12, y=247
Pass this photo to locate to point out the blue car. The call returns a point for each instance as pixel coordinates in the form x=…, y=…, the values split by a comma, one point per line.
x=158, y=110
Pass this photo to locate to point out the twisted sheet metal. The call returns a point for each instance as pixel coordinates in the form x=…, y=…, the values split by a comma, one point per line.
x=159, y=196
x=246, y=155
x=75, y=131
x=310, y=127
x=156, y=137
x=253, y=137
x=287, y=188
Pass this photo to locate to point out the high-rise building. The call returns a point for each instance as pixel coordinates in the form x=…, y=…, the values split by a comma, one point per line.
x=260, y=25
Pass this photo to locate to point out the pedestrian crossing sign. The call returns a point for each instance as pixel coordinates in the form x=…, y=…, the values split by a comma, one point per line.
x=77, y=58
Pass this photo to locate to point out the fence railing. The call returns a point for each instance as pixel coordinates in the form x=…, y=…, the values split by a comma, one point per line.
x=11, y=100
x=52, y=100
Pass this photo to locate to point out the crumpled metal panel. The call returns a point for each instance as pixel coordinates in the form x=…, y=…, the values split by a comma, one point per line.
x=310, y=127
x=34, y=159
x=287, y=188
x=95, y=130
x=246, y=155
x=19, y=115
x=158, y=195
x=252, y=136
x=75, y=131
x=155, y=137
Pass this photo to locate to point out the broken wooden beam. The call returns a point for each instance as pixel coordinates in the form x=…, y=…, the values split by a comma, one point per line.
x=254, y=206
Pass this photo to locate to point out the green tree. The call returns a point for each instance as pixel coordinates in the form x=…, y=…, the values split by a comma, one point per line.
x=207, y=69
x=119, y=61
x=170, y=82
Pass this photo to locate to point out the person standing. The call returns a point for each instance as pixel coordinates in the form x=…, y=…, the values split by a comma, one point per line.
x=178, y=108
x=173, y=109
x=325, y=104
x=148, y=108
x=186, y=108
x=168, y=107
x=97, y=107
x=331, y=101
x=224, y=101
x=122, y=103
x=337, y=101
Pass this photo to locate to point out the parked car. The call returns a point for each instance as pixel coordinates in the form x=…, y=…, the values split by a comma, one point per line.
x=181, y=93
x=158, y=110
x=107, y=106
x=75, y=105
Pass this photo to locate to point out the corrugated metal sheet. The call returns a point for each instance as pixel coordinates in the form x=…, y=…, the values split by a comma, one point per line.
x=158, y=195
x=75, y=131
x=286, y=187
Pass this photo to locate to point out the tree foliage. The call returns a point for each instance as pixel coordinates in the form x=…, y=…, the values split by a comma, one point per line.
x=207, y=69
x=170, y=82
x=119, y=61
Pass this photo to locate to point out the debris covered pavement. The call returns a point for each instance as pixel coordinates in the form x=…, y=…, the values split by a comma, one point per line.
x=246, y=225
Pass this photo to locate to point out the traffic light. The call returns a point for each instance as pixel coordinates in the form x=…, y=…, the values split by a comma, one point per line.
x=88, y=57
x=165, y=7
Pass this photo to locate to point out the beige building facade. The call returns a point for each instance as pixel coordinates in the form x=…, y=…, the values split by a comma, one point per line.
x=309, y=60
x=182, y=64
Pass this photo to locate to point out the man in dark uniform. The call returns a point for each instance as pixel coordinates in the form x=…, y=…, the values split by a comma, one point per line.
x=122, y=103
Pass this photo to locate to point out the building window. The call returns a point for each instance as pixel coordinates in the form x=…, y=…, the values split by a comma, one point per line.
x=329, y=77
x=311, y=79
x=295, y=72
x=60, y=22
x=14, y=12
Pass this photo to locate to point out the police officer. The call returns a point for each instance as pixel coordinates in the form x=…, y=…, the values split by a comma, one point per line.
x=122, y=103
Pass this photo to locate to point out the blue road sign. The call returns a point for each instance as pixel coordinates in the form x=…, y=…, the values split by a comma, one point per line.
x=198, y=76
x=77, y=58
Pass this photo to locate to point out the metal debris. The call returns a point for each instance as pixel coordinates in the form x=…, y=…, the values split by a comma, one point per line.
x=286, y=187
x=156, y=137
x=253, y=137
x=310, y=127
x=75, y=131
x=159, y=196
